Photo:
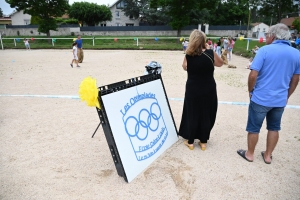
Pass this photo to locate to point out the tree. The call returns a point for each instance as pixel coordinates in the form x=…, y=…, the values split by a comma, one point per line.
x=278, y=9
x=1, y=13
x=177, y=10
x=201, y=13
x=34, y=20
x=141, y=9
x=46, y=11
x=230, y=12
x=296, y=24
x=199, y=16
x=90, y=13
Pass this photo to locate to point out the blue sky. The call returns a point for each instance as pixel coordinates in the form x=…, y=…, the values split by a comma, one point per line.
x=8, y=10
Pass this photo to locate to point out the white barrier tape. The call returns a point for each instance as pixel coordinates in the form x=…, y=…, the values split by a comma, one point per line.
x=172, y=99
x=42, y=96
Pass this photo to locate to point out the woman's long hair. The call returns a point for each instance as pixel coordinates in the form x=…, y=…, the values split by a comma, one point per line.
x=196, y=43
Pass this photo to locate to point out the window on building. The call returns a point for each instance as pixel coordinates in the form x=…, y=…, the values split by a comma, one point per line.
x=130, y=16
x=26, y=21
x=258, y=29
x=117, y=14
x=121, y=4
x=129, y=24
x=118, y=24
x=102, y=24
x=264, y=29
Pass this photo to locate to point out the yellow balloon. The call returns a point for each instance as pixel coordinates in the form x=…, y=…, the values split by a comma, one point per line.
x=181, y=39
x=88, y=92
x=241, y=38
x=74, y=39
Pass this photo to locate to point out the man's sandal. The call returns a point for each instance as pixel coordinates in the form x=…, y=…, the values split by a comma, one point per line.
x=242, y=153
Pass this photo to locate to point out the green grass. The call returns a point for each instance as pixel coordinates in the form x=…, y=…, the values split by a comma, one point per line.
x=104, y=42
x=241, y=45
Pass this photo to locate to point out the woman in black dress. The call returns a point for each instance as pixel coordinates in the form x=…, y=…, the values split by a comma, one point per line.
x=201, y=101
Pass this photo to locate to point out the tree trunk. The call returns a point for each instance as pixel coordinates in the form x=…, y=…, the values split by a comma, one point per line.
x=48, y=36
x=178, y=32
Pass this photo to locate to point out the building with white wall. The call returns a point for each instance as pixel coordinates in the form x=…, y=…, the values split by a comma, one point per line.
x=118, y=16
x=259, y=29
x=19, y=18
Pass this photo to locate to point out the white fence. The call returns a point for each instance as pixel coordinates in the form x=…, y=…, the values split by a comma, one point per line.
x=135, y=39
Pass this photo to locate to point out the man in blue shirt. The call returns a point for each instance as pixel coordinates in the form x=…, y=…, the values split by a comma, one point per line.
x=273, y=78
x=79, y=49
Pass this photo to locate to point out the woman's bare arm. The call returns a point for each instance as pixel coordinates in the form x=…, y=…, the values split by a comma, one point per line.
x=184, y=64
x=218, y=61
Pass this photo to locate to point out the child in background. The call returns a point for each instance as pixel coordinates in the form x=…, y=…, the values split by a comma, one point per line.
x=210, y=43
x=254, y=51
x=250, y=63
x=218, y=51
x=230, y=47
x=26, y=44
x=75, y=57
x=185, y=45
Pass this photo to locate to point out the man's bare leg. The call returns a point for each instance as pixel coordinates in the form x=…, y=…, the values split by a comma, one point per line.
x=272, y=139
x=252, y=141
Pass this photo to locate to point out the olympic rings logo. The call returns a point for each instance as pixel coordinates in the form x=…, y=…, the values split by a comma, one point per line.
x=146, y=120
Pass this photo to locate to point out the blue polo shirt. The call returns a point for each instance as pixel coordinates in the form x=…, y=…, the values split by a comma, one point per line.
x=276, y=63
x=79, y=43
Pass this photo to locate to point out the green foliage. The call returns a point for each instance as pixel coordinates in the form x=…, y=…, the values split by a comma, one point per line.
x=277, y=9
x=59, y=20
x=141, y=9
x=71, y=21
x=177, y=10
x=66, y=21
x=296, y=24
x=202, y=12
x=47, y=24
x=34, y=20
x=199, y=16
x=46, y=11
x=90, y=13
x=230, y=12
x=1, y=13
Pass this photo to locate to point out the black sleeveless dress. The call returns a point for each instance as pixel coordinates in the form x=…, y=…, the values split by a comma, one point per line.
x=201, y=101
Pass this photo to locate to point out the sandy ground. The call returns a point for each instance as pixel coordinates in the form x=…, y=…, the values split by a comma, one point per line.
x=47, y=151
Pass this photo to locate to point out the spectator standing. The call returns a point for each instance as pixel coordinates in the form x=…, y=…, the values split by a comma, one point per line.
x=201, y=101
x=79, y=48
x=273, y=78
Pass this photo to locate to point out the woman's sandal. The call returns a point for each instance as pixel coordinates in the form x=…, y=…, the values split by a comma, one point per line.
x=202, y=146
x=191, y=147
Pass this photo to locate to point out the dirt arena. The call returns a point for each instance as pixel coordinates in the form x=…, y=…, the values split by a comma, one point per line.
x=47, y=151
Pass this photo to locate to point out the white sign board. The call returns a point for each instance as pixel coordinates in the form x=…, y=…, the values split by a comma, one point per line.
x=141, y=124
